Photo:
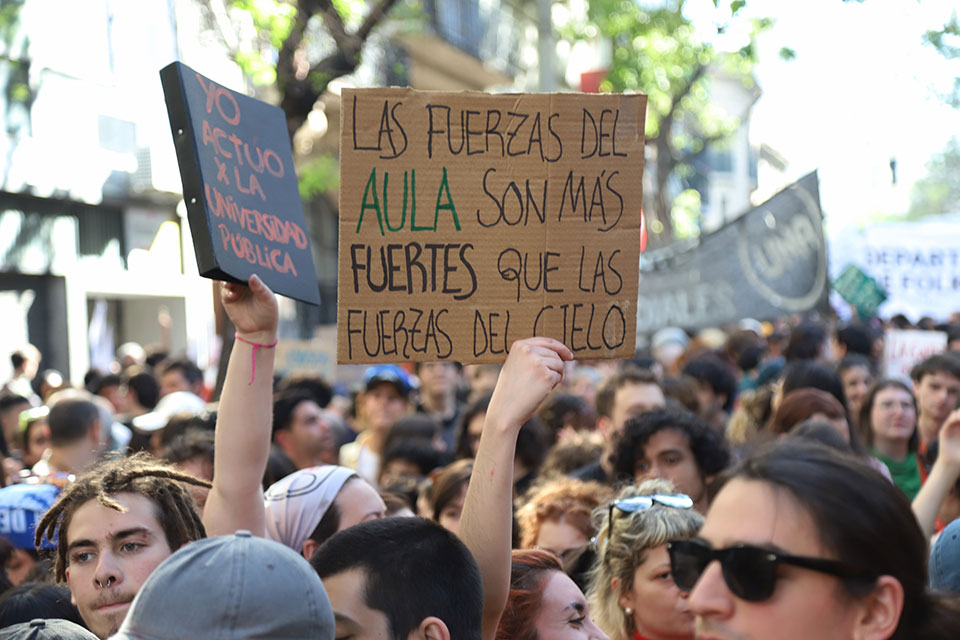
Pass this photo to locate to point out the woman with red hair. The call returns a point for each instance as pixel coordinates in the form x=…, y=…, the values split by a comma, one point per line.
x=557, y=516
x=813, y=404
x=526, y=596
x=543, y=602
x=807, y=403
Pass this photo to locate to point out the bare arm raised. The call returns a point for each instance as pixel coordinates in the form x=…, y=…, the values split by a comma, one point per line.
x=943, y=476
x=533, y=368
x=245, y=414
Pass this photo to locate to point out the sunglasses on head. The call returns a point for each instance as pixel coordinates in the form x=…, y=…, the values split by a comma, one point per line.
x=641, y=503
x=750, y=572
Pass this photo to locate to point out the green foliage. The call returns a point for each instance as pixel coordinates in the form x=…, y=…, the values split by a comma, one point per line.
x=19, y=92
x=947, y=42
x=10, y=23
x=350, y=10
x=16, y=66
x=256, y=67
x=273, y=22
x=686, y=214
x=659, y=51
x=655, y=51
x=319, y=176
x=409, y=17
x=939, y=191
x=272, y=18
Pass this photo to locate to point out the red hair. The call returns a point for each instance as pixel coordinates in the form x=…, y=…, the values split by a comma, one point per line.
x=799, y=405
x=529, y=572
x=561, y=499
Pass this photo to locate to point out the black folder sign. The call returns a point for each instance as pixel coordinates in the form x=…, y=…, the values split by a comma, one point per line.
x=239, y=185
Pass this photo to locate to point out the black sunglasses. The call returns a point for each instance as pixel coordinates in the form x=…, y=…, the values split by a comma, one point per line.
x=750, y=572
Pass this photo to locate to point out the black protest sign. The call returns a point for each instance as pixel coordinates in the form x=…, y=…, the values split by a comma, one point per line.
x=769, y=262
x=239, y=185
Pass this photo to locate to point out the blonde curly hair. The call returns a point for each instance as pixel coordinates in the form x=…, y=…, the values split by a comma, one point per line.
x=748, y=419
x=623, y=550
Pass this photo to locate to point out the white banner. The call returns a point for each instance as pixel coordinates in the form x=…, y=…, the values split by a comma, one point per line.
x=917, y=263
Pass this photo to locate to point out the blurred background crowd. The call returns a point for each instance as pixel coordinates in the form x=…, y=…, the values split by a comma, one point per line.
x=681, y=411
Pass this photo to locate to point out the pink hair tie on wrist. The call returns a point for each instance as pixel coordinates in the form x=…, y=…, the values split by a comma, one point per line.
x=255, y=345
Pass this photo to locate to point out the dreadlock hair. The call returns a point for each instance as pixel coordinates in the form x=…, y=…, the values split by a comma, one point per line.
x=141, y=474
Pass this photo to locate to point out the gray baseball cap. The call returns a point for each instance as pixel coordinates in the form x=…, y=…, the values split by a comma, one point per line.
x=49, y=629
x=235, y=587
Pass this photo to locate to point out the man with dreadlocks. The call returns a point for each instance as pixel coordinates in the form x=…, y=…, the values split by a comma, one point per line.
x=119, y=521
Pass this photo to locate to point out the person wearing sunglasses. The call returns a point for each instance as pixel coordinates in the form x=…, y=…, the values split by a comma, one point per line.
x=803, y=541
x=633, y=596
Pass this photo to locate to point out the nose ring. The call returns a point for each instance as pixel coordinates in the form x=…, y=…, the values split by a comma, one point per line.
x=109, y=582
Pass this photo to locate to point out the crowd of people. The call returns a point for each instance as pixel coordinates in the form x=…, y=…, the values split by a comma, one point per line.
x=760, y=481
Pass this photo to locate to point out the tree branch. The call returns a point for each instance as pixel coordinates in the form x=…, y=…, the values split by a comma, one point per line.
x=686, y=89
x=376, y=14
x=286, y=71
x=333, y=21
x=299, y=95
x=348, y=45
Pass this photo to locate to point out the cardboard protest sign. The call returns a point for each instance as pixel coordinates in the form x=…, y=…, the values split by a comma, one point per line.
x=769, y=262
x=239, y=185
x=860, y=290
x=468, y=221
x=903, y=348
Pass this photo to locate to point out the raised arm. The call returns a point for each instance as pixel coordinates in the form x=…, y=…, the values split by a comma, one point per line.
x=533, y=368
x=245, y=413
x=942, y=476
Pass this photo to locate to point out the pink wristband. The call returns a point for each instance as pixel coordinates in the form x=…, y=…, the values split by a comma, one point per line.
x=255, y=345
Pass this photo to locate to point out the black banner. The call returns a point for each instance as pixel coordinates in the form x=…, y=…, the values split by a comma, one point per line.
x=769, y=262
